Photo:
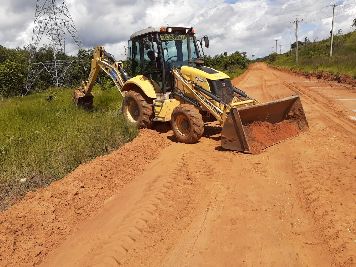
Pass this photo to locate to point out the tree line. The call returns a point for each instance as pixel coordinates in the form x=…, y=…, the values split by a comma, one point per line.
x=14, y=68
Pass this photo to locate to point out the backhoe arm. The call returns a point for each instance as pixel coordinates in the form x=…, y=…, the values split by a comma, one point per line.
x=185, y=85
x=101, y=61
x=206, y=100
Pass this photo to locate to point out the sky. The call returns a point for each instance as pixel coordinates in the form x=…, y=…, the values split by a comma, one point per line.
x=232, y=25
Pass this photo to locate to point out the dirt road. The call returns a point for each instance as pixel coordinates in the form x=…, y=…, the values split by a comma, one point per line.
x=160, y=203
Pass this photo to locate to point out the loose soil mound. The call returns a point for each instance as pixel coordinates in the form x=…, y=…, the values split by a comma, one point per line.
x=264, y=134
x=39, y=222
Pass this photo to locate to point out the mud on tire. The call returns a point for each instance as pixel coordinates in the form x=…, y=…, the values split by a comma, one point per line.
x=137, y=110
x=187, y=124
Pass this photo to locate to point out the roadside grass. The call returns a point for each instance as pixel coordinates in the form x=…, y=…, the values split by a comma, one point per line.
x=44, y=136
x=314, y=57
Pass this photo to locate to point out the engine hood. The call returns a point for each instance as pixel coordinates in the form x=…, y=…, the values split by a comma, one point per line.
x=202, y=72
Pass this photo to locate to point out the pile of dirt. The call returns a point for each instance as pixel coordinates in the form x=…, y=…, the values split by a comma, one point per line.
x=44, y=218
x=262, y=134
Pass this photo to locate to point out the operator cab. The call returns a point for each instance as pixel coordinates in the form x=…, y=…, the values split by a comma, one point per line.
x=154, y=52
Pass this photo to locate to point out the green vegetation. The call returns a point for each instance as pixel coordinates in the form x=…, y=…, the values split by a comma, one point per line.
x=233, y=65
x=14, y=69
x=44, y=136
x=314, y=57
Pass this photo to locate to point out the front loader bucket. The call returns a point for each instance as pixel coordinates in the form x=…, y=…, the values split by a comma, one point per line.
x=252, y=129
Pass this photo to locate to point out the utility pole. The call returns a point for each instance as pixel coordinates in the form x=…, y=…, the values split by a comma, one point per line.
x=296, y=22
x=276, y=45
x=332, y=31
x=280, y=49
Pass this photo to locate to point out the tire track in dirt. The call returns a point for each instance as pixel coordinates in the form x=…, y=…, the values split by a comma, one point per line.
x=324, y=105
x=328, y=192
x=331, y=225
x=254, y=217
x=44, y=218
x=236, y=210
x=158, y=204
x=155, y=200
x=188, y=216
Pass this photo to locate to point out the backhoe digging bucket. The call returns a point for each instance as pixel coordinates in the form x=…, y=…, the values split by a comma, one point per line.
x=252, y=129
x=82, y=100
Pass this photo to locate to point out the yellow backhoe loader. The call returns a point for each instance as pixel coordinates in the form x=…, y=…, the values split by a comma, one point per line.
x=168, y=81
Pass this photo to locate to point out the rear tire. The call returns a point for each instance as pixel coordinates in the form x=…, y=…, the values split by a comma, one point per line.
x=187, y=124
x=137, y=110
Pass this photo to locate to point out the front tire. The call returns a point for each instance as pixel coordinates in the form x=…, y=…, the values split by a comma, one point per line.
x=187, y=124
x=137, y=110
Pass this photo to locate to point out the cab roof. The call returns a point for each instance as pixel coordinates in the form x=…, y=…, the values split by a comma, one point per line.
x=159, y=30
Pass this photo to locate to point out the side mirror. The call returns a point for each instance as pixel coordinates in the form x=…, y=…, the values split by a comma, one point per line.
x=206, y=41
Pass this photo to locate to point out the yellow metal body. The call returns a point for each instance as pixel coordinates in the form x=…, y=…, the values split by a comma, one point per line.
x=196, y=75
x=164, y=109
x=186, y=80
x=200, y=77
x=231, y=107
x=144, y=84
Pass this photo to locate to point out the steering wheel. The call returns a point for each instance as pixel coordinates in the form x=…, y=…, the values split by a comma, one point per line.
x=170, y=58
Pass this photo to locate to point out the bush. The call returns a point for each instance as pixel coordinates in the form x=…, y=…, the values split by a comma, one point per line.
x=228, y=63
x=12, y=78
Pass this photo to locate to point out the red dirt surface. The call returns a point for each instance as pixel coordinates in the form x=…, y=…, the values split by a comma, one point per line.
x=39, y=222
x=264, y=134
x=155, y=202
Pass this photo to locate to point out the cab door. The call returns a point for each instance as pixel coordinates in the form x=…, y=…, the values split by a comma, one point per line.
x=134, y=58
x=152, y=66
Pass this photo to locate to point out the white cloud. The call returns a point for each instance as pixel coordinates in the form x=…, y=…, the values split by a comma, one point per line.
x=249, y=26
